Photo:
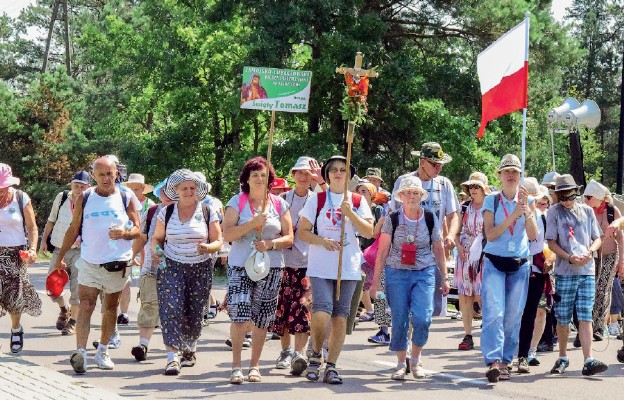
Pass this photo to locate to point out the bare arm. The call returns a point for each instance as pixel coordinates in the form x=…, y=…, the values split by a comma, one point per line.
x=380, y=261
x=31, y=232
x=377, y=229
x=438, y=253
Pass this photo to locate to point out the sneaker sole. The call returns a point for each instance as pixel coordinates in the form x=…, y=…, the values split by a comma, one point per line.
x=298, y=367
x=77, y=362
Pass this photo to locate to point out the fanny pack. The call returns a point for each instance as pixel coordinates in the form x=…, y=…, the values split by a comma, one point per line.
x=506, y=264
x=116, y=266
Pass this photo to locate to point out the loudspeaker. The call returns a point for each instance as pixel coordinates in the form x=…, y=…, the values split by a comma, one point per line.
x=556, y=114
x=588, y=115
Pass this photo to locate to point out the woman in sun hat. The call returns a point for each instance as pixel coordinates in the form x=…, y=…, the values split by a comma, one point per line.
x=321, y=221
x=509, y=226
x=469, y=263
x=188, y=233
x=410, y=248
x=610, y=257
x=252, y=296
x=18, y=249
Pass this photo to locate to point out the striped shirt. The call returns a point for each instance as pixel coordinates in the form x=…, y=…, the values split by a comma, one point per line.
x=181, y=239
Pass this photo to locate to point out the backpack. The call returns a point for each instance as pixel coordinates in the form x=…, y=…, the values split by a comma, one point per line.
x=85, y=197
x=51, y=247
x=394, y=218
x=610, y=213
x=322, y=197
x=169, y=213
x=149, y=217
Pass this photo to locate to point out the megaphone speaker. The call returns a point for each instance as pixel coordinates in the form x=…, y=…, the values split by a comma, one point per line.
x=556, y=114
x=588, y=115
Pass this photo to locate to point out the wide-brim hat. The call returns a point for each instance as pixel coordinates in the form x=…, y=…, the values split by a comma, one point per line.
x=279, y=183
x=411, y=183
x=476, y=178
x=302, y=164
x=6, y=176
x=565, y=182
x=138, y=179
x=432, y=151
x=543, y=192
x=185, y=175
x=258, y=265
x=510, y=161
x=158, y=187
x=324, y=172
x=531, y=185
x=550, y=178
x=202, y=177
x=374, y=173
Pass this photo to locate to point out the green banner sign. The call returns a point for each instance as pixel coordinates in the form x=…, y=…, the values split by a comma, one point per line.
x=275, y=89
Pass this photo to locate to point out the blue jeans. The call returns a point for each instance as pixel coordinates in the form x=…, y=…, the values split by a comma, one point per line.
x=410, y=292
x=503, y=297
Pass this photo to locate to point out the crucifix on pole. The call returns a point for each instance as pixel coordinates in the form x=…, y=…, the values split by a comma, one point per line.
x=353, y=109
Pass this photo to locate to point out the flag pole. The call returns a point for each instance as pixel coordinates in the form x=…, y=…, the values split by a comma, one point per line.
x=524, y=110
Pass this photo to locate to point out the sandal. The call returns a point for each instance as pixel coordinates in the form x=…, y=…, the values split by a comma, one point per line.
x=17, y=341
x=172, y=368
x=314, y=365
x=237, y=376
x=467, y=343
x=399, y=374
x=505, y=375
x=254, y=375
x=331, y=376
x=493, y=374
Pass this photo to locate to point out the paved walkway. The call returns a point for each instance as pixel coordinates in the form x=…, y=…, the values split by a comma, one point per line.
x=20, y=379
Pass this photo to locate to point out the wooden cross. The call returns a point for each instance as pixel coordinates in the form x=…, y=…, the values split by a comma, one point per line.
x=357, y=80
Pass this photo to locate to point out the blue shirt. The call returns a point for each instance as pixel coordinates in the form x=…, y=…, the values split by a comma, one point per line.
x=519, y=239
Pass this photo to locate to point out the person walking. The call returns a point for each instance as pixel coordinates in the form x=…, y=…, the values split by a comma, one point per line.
x=59, y=220
x=321, y=220
x=18, y=249
x=410, y=248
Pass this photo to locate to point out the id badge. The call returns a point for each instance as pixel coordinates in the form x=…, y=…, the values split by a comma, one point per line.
x=408, y=254
x=511, y=247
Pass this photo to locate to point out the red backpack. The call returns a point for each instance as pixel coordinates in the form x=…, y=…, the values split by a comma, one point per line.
x=322, y=197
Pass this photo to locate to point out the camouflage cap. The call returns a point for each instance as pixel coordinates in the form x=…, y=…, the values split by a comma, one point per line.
x=432, y=151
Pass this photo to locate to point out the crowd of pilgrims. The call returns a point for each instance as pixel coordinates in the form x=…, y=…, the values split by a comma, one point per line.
x=531, y=260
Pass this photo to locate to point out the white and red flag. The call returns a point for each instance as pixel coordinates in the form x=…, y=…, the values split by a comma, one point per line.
x=503, y=70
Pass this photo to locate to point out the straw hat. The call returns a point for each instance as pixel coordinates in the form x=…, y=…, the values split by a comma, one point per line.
x=510, y=161
x=138, y=179
x=476, y=178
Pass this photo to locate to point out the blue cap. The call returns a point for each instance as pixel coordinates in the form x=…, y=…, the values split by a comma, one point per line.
x=82, y=177
x=158, y=187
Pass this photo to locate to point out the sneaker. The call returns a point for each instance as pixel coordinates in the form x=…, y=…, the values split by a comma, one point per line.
x=284, y=361
x=523, y=366
x=299, y=364
x=188, y=359
x=544, y=347
x=366, y=317
x=78, y=361
x=560, y=366
x=62, y=320
x=69, y=329
x=532, y=358
x=123, y=319
x=212, y=311
x=577, y=341
x=380, y=338
x=139, y=352
x=115, y=341
x=457, y=315
x=466, y=344
x=103, y=360
x=598, y=336
x=614, y=330
x=593, y=367
x=173, y=368
x=228, y=342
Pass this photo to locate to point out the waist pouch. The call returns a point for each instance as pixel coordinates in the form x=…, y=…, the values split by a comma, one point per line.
x=115, y=266
x=506, y=264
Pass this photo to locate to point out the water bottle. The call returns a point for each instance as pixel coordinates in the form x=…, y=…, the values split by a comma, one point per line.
x=161, y=255
x=578, y=249
x=111, y=242
x=381, y=295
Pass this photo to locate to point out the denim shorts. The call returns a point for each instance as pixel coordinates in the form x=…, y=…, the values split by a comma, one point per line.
x=324, y=296
x=571, y=291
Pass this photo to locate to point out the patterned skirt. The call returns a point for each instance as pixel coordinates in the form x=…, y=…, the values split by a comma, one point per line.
x=17, y=294
x=292, y=316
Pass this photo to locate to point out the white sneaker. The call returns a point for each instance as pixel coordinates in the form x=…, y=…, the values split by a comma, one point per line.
x=103, y=360
x=78, y=361
x=115, y=341
x=614, y=329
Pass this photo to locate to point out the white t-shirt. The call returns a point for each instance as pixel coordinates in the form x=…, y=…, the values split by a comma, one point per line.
x=323, y=263
x=61, y=217
x=11, y=223
x=242, y=248
x=182, y=238
x=97, y=217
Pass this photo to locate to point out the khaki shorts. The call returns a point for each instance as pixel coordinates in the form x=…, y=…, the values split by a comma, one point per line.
x=94, y=276
x=71, y=257
x=148, y=313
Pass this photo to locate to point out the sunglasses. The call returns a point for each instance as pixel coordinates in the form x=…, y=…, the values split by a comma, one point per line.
x=568, y=198
x=435, y=164
x=588, y=197
x=336, y=170
x=474, y=187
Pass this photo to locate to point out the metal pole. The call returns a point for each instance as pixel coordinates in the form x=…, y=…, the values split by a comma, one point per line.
x=266, y=187
x=620, y=165
x=552, y=145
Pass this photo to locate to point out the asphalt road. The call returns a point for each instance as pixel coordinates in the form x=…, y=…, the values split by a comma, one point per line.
x=365, y=367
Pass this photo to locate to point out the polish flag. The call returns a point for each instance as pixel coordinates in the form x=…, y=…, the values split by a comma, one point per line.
x=503, y=70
